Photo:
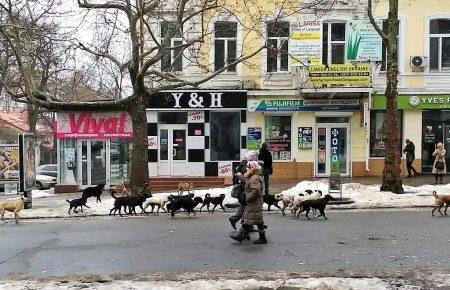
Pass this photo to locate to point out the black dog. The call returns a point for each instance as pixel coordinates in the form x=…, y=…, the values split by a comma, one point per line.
x=270, y=200
x=79, y=202
x=319, y=204
x=94, y=191
x=129, y=202
x=118, y=204
x=183, y=202
x=218, y=200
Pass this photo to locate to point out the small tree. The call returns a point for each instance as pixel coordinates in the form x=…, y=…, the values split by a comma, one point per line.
x=391, y=174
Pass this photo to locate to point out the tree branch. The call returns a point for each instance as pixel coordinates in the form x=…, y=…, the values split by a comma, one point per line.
x=373, y=22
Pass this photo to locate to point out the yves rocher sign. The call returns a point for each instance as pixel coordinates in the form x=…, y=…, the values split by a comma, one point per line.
x=92, y=125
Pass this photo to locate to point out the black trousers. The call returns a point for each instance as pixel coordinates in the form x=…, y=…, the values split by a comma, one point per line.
x=410, y=168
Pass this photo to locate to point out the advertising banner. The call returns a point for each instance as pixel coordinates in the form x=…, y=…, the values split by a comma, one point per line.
x=27, y=167
x=335, y=161
x=304, y=138
x=86, y=125
x=303, y=105
x=340, y=75
x=254, y=138
x=198, y=100
x=305, y=44
x=417, y=102
x=9, y=163
x=364, y=43
x=11, y=188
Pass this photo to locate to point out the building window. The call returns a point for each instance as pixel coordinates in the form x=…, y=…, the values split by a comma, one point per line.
x=120, y=160
x=384, y=46
x=225, y=45
x=278, y=46
x=68, y=161
x=172, y=59
x=333, y=40
x=378, y=132
x=278, y=136
x=225, y=136
x=440, y=45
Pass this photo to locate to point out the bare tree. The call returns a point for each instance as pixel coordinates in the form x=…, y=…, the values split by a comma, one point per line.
x=391, y=174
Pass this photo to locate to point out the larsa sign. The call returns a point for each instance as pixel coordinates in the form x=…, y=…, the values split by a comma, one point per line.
x=85, y=125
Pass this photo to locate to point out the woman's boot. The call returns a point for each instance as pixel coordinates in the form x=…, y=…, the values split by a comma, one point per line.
x=262, y=238
x=435, y=178
x=241, y=235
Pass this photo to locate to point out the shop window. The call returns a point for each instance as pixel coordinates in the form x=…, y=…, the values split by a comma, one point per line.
x=172, y=59
x=225, y=40
x=378, y=133
x=384, y=47
x=172, y=118
x=120, y=160
x=333, y=43
x=277, y=132
x=225, y=136
x=440, y=45
x=278, y=46
x=68, y=161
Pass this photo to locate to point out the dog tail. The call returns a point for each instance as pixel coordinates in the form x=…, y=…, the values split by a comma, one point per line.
x=434, y=194
x=207, y=195
x=68, y=200
x=113, y=194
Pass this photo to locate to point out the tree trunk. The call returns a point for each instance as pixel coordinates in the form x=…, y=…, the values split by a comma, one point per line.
x=391, y=174
x=32, y=118
x=139, y=161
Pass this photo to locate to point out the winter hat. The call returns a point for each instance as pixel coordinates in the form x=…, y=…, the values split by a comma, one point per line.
x=252, y=164
x=251, y=155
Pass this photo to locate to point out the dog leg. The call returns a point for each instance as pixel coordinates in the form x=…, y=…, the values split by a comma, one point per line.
x=213, y=209
x=307, y=212
x=2, y=214
x=221, y=205
x=202, y=207
x=16, y=216
x=268, y=207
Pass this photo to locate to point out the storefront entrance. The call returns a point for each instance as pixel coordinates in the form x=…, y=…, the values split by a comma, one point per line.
x=94, y=163
x=332, y=146
x=172, y=150
x=435, y=129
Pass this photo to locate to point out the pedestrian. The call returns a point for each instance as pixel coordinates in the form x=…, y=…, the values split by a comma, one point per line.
x=253, y=210
x=439, y=167
x=410, y=151
x=238, y=191
x=267, y=170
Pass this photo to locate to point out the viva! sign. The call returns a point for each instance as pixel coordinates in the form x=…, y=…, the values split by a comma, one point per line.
x=86, y=125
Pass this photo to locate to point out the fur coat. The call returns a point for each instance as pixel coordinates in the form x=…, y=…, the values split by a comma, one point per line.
x=254, y=197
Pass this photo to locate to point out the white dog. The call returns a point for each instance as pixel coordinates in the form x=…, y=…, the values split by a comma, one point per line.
x=287, y=199
x=309, y=195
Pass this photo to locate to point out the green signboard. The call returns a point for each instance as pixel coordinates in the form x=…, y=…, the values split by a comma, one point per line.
x=416, y=102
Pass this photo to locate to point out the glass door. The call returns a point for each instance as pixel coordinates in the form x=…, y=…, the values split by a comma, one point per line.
x=332, y=150
x=98, y=162
x=94, y=162
x=84, y=164
x=172, y=150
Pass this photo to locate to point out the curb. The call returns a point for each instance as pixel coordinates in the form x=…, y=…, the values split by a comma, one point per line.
x=334, y=209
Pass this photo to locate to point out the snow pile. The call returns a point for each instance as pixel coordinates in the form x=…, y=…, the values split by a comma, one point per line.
x=36, y=193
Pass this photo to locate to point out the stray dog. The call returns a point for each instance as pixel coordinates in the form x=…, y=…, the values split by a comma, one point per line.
x=158, y=201
x=218, y=200
x=130, y=202
x=309, y=195
x=182, y=186
x=319, y=204
x=12, y=206
x=271, y=200
x=94, y=191
x=439, y=203
x=79, y=202
x=183, y=202
x=119, y=202
x=285, y=199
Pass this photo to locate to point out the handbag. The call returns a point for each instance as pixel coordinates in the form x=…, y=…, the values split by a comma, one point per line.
x=439, y=165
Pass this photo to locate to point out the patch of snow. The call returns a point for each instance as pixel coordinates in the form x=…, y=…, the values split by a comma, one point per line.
x=36, y=193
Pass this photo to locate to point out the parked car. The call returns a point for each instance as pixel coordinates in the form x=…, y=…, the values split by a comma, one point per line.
x=45, y=181
x=48, y=169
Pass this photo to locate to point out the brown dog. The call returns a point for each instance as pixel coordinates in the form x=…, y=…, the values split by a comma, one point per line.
x=439, y=203
x=12, y=206
x=182, y=186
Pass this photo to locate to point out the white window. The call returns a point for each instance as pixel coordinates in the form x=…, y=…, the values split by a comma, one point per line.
x=440, y=45
x=172, y=59
x=384, y=47
x=333, y=39
x=225, y=40
x=278, y=46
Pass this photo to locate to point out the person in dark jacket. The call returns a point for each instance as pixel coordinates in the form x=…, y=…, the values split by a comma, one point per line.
x=238, y=191
x=410, y=151
x=267, y=170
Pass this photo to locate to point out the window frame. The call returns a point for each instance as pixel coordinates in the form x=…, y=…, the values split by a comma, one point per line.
x=281, y=40
x=439, y=37
x=335, y=42
x=373, y=138
x=292, y=133
x=211, y=112
x=225, y=47
x=173, y=55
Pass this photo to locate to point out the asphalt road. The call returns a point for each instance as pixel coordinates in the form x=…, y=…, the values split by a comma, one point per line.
x=348, y=239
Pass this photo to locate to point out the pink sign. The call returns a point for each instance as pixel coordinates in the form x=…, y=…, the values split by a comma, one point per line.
x=94, y=125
